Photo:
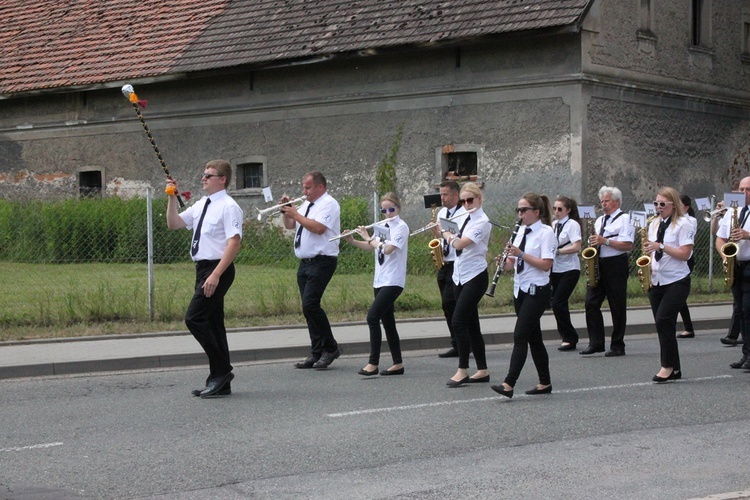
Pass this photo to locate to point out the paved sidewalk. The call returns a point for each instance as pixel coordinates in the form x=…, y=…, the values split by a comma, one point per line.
x=159, y=350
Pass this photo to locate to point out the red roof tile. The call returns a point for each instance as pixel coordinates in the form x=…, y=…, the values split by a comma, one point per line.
x=47, y=44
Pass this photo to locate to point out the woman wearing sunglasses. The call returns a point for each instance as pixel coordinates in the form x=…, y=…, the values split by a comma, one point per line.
x=388, y=283
x=566, y=269
x=533, y=253
x=470, y=279
x=670, y=243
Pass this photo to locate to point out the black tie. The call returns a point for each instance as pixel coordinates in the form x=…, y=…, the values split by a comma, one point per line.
x=521, y=247
x=446, y=249
x=298, y=236
x=197, y=233
x=604, y=223
x=660, y=237
x=381, y=255
x=743, y=217
x=459, y=252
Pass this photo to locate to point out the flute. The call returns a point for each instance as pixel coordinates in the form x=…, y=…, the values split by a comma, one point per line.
x=491, y=290
x=351, y=231
x=435, y=224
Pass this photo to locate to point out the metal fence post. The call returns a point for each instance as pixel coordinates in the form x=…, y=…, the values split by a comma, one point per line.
x=150, y=238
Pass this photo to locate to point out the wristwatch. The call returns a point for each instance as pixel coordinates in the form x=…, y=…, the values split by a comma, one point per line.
x=607, y=242
x=661, y=246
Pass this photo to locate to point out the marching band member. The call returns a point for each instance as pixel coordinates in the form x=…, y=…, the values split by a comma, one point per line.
x=318, y=257
x=216, y=221
x=614, y=237
x=689, y=214
x=470, y=279
x=449, y=196
x=670, y=243
x=533, y=253
x=741, y=284
x=388, y=283
x=566, y=270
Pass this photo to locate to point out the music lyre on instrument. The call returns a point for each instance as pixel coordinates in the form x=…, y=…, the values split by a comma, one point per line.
x=276, y=209
x=351, y=232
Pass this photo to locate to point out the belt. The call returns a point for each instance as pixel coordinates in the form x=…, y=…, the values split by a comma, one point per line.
x=318, y=258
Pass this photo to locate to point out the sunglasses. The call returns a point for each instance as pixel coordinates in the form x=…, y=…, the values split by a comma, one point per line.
x=522, y=210
x=388, y=210
x=467, y=200
x=559, y=209
x=662, y=204
x=208, y=176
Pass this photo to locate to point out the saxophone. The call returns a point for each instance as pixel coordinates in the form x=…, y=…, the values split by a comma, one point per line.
x=644, y=261
x=590, y=257
x=435, y=245
x=729, y=250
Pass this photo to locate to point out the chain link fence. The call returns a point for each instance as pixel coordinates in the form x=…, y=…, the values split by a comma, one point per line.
x=100, y=261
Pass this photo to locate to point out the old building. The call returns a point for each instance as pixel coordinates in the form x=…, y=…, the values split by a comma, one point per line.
x=557, y=96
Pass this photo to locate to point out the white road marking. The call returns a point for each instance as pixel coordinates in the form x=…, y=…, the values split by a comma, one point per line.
x=494, y=398
x=32, y=447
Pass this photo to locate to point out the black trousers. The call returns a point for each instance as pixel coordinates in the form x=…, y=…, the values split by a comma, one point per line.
x=741, y=291
x=563, y=285
x=466, y=321
x=448, y=296
x=613, y=286
x=313, y=276
x=736, y=324
x=666, y=303
x=687, y=321
x=527, y=335
x=381, y=309
x=205, y=317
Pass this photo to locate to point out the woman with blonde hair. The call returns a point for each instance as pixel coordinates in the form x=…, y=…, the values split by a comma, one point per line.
x=391, y=249
x=470, y=279
x=670, y=243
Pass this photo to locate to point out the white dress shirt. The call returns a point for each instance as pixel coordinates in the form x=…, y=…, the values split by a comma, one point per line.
x=618, y=228
x=540, y=242
x=392, y=272
x=472, y=260
x=668, y=269
x=222, y=221
x=570, y=233
x=325, y=210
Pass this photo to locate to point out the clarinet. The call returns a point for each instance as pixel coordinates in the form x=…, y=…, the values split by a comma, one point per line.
x=491, y=290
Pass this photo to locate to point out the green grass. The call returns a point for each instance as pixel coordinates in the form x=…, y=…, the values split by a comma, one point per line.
x=49, y=300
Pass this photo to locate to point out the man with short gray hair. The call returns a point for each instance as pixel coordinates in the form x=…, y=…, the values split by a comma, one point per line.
x=614, y=238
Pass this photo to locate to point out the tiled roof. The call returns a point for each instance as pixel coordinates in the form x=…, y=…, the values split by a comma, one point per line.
x=47, y=44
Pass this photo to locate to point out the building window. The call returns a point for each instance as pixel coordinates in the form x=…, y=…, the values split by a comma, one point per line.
x=459, y=162
x=700, y=29
x=250, y=173
x=90, y=184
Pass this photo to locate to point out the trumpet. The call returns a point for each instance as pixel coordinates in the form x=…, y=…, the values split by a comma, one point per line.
x=714, y=214
x=276, y=209
x=352, y=231
x=435, y=223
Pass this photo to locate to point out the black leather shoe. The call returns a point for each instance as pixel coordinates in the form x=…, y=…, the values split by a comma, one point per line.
x=216, y=385
x=399, y=371
x=308, y=363
x=729, y=341
x=366, y=373
x=567, y=347
x=450, y=353
x=537, y=390
x=740, y=363
x=225, y=391
x=661, y=380
x=592, y=350
x=613, y=353
x=479, y=380
x=746, y=366
x=502, y=391
x=327, y=358
x=686, y=335
x=453, y=383
x=675, y=375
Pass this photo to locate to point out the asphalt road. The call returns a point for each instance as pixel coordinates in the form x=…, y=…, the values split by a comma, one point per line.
x=606, y=431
